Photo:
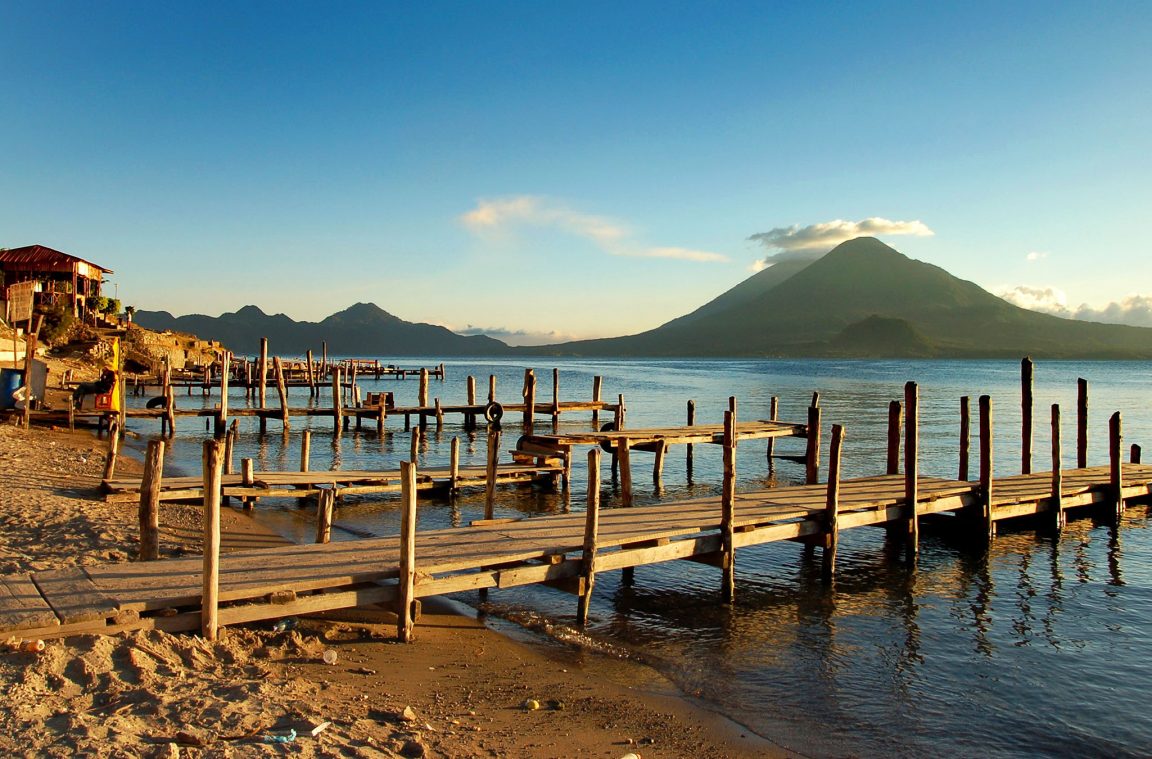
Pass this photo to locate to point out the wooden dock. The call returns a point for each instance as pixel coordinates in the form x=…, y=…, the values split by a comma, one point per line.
x=567, y=550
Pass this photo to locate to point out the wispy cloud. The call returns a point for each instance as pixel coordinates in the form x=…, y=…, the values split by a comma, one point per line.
x=809, y=243
x=1134, y=310
x=502, y=216
x=1035, y=255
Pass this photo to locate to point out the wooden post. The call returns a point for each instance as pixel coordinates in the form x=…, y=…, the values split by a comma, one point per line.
x=414, y=448
x=989, y=525
x=728, y=511
x=337, y=409
x=225, y=372
x=773, y=415
x=529, y=399
x=658, y=462
x=324, y=357
x=1081, y=423
x=490, y=472
x=1116, y=469
x=624, y=458
x=597, y=386
x=555, y=396
x=454, y=465
x=281, y=391
x=263, y=369
x=311, y=377
x=150, y=501
x=209, y=613
x=1058, y=517
x=591, y=535
x=248, y=479
x=470, y=417
x=230, y=445
x=170, y=410
x=405, y=613
x=621, y=412
x=912, y=465
x=491, y=388
x=113, y=449
x=422, y=396
x=324, y=507
x=832, y=503
x=688, y=447
x=895, y=419
x=439, y=415
x=1026, y=415
x=305, y=450
x=812, y=449
x=965, y=437
x=1134, y=456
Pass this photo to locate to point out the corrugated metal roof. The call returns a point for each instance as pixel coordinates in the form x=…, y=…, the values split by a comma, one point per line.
x=39, y=254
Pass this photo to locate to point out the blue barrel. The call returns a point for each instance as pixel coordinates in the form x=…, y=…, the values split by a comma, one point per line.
x=10, y=382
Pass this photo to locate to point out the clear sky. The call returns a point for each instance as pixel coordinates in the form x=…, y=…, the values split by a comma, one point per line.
x=579, y=169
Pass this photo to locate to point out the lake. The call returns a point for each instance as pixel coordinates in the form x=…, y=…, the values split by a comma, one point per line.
x=1039, y=645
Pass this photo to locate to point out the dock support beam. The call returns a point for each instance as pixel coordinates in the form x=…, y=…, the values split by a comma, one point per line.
x=987, y=523
x=1081, y=423
x=895, y=420
x=965, y=437
x=832, y=505
x=1115, y=445
x=812, y=452
x=728, y=510
x=150, y=486
x=1026, y=405
x=405, y=614
x=591, y=536
x=1058, y=516
x=210, y=599
x=912, y=466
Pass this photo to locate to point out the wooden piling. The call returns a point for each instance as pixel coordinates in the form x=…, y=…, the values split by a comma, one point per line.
x=209, y=606
x=965, y=437
x=1026, y=403
x=658, y=462
x=263, y=373
x=454, y=465
x=405, y=612
x=1134, y=456
x=597, y=386
x=1081, y=423
x=281, y=391
x=591, y=538
x=832, y=504
x=470, y=418
x=728, y=511
x=337, y=409
x=988, y=525
x=1058, y=517
x=230, y=446
x=812, y=447
x=422, y=397
x=490, y=472
x=624, y=459
x=324, y=508
x=113, y=449
x=555, y=396
x=305, y=450
x=895, y=419
x=150, y=485
x=491, y=388
x=1116, y=469
x=912, y=465
x=311, y=376
x=414, y=448
x=529, y=399
x=688, y=447
x=773, y=415
x=225, y=376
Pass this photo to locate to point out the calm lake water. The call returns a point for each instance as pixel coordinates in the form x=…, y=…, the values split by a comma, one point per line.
x=1039, y=646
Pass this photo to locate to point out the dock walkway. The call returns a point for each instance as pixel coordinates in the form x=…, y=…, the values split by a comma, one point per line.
x=565, y=549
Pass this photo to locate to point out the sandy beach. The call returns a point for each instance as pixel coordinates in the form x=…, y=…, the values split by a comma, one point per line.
x=462, y=689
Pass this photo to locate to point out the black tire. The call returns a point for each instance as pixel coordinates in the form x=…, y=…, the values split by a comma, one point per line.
x=157, y=402
x=608, y=427
x=493, y=412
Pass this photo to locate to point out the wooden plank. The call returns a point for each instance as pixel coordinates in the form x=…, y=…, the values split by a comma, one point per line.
x=22, y=606
x=73, y=596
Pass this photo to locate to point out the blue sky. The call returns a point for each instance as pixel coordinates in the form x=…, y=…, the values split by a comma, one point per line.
x=573, y=169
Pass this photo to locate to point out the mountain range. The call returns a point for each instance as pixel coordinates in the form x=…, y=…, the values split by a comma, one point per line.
x=863, y=299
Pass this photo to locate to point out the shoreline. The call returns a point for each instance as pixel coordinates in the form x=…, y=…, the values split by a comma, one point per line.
x=471, y=705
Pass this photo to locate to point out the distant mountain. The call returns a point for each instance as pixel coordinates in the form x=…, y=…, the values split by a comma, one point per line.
x=866, y=299
x=361, y=330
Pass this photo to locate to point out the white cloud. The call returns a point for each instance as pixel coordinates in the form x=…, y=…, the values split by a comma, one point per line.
x=1134, y=310
x=1048, y=300
x=1035, y=255
x=493, y=217
x=518, y=336
x=809, y=243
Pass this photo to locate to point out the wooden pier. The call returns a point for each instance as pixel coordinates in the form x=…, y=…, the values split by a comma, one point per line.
x=566, y=550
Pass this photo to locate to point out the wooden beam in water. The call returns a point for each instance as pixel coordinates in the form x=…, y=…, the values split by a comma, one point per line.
x=150, y=486
x=988, y=524
x=1058, y=517
x=1026, y=405
x=405, y=611
x=728, y=508
x=1081, y=423
x=832, y=504
x=912, y=466
x=591, y=534
x=965, y=436
x=209, y=614
x=895, y=419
